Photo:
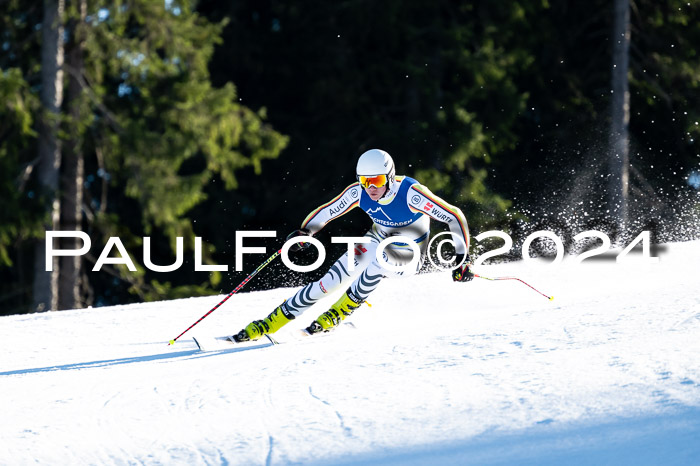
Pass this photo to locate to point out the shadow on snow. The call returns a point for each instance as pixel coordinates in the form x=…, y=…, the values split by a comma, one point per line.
x=662, y=438
x=189, y=354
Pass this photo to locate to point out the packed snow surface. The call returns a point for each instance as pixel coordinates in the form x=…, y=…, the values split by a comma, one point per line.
x=486, y=372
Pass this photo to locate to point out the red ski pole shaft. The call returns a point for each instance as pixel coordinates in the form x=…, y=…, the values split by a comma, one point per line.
x=272, y=257
x=514, y=278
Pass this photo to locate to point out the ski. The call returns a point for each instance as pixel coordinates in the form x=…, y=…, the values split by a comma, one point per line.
x=224, y=343
x=345, y=325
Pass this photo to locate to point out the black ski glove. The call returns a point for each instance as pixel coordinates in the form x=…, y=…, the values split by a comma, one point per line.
x=463, y=273
x=301, y=245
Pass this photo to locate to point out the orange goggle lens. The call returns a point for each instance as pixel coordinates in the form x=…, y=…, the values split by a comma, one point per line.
x=377, y=180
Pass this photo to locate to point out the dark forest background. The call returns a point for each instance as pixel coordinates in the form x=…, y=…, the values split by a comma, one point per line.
x=183, y=118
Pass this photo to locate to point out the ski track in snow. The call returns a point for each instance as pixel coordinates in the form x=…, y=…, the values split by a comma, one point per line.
x=435, y=372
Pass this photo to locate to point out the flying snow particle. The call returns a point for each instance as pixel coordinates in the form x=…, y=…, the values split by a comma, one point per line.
x=694, y=179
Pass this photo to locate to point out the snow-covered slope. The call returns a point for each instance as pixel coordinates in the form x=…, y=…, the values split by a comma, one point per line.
x=435, y=372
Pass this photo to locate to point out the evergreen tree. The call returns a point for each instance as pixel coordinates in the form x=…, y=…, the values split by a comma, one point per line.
x=21, y=212
x=495, y=106
x=49, y=153
x=71, y=278
x=164, y=132
x=665, y=102
x=620, y=114
x=433, y=83
x=152, y=129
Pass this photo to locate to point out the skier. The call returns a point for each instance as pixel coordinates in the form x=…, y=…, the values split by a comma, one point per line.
x=397, y=205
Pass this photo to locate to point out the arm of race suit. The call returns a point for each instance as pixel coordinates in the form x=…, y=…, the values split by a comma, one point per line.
x=336, y=207
x=421, y=199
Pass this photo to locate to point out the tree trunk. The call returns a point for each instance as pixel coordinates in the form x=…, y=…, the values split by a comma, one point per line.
x=620, y=112
x=46, y=283
x=72, y=168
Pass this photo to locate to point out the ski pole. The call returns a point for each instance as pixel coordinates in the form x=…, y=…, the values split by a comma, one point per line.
x=513, y=278
x=272, y=257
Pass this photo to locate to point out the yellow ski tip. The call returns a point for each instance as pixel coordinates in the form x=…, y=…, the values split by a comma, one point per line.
x=551, y=298
x=171, y=342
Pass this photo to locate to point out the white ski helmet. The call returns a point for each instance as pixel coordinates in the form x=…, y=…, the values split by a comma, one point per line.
x=376, y=162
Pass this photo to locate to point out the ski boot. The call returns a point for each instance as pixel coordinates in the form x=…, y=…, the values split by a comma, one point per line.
x=270, y=324
x=330, y=319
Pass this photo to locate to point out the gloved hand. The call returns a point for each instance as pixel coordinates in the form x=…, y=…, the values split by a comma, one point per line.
x=301, y=245
x=463, y=273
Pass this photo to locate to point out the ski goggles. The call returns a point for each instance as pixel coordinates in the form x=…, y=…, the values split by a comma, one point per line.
x=376, y=180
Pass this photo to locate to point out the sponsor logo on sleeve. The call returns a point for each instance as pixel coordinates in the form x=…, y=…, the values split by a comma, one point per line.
x=441, y=216
x=339, y=208
x=415, y=200
x=359, y=250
